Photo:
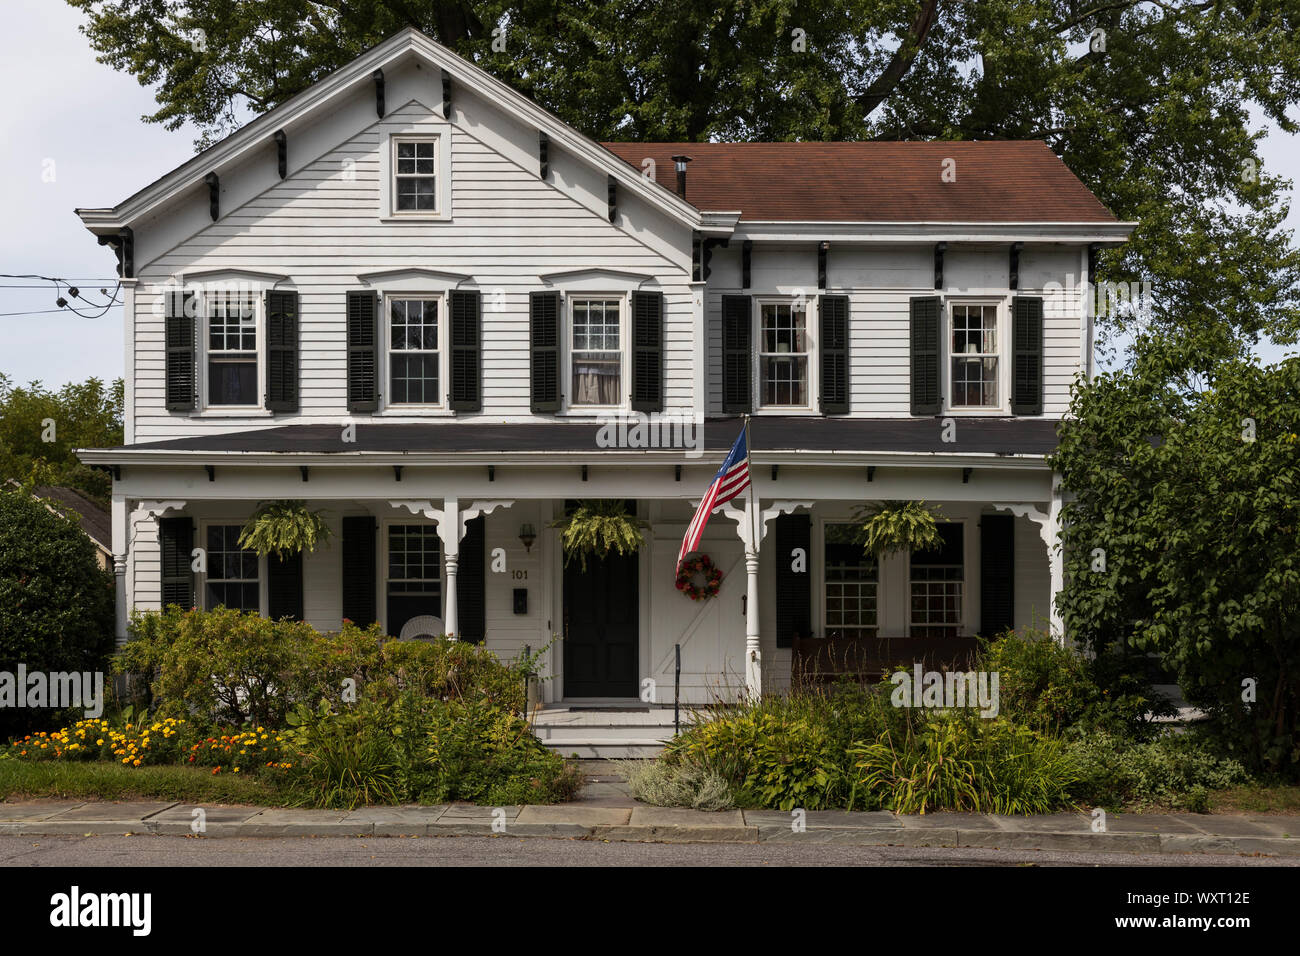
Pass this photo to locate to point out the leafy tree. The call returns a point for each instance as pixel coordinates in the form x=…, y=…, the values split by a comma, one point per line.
x=56, y=603
x=1182, y=536
x=39, y=430
x=1149, y=103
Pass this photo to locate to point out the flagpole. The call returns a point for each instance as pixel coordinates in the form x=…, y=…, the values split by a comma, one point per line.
x=753, y=664
x=749, y=468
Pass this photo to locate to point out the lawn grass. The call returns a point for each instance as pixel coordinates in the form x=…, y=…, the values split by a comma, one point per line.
x=51, y=780
x=1256, y=798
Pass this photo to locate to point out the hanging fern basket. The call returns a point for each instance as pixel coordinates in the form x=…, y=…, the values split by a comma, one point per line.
x=894, y=526
x=284, y=527
x=597, y=527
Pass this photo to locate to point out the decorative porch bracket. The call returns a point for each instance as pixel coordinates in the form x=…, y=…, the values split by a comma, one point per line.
x=751, y=534
x=1049, y=529
x=451, y=516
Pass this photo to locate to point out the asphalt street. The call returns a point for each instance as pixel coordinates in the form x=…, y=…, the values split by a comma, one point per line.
x=150, y=850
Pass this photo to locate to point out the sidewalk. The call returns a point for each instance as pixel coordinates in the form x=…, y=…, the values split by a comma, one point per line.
x=593, y=819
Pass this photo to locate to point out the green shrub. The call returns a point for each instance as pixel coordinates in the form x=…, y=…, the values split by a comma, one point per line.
x=788, y=751
x=1176, y=770
x=232, y=667
x=56, y=603
x=1054, y=689
x=680, y=784
x=956, y=762
x=420, y=749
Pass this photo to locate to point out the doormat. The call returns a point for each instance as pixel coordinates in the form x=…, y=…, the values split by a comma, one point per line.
x=610, y=710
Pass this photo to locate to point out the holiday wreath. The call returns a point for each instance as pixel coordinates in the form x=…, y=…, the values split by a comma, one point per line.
x=700, y=564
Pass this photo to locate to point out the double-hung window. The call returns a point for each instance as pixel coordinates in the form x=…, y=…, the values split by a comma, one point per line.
x=937, y=586
x=413, y=351
x=852, y=585
x=596, y=352
x=415, y=178
x=232, y=348
x=783, y=354
x=232, y=577
x=974, y=351
x=414, y=579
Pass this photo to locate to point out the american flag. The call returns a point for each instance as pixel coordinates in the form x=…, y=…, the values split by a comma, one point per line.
x=732, y=478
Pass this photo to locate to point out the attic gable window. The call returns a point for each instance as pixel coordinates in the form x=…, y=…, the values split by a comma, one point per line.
x=415, y=180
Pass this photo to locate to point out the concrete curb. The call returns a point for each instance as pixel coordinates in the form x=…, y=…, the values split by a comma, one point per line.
x=641, y=824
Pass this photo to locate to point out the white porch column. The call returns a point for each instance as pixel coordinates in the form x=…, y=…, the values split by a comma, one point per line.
x=449, y=530
x=751, y=533
x=120, y=536
x=452, y=520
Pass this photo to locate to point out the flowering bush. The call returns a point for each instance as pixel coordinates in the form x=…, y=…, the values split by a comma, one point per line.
x=135, y=744
x=146, y=743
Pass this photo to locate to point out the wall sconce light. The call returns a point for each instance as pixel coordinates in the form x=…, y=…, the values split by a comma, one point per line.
x=527, y=536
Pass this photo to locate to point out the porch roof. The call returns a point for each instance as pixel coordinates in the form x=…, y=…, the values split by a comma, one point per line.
x=785, y=434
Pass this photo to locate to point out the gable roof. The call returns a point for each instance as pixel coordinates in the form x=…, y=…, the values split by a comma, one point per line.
x=409, y=42
x=1020, y=181
x=93, y=520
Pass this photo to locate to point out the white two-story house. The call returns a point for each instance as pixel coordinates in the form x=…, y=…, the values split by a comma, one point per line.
x=426, y=306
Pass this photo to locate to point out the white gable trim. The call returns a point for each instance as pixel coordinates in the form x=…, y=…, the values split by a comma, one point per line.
x=413, y=280
x=256, y=134
x=598, y=280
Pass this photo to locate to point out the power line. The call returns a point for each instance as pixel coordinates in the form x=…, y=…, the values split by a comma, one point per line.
x=111, y=305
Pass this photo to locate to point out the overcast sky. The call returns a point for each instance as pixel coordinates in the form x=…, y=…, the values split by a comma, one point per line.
x=73, y=137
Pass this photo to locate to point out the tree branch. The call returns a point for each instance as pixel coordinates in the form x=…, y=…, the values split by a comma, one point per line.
x=902, y=59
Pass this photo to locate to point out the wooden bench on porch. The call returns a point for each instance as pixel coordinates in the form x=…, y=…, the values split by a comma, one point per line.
x=822, y=659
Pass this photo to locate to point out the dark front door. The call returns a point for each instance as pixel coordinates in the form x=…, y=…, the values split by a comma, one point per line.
x=600, y=639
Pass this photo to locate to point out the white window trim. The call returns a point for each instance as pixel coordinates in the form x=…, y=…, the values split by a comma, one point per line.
x=389, y=407
x=440, y=134
x=202, y=582
x=1003, y=305
x=385, y=525
x=811, y=322
x=882, y=591
x=624, y=300
x=963, y=622
x=204, y=408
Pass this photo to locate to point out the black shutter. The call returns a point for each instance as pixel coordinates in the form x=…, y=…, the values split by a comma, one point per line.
x=471, y=599
x=544, y=340
x=284, y=587
x=181, y=340
x=1027, y=355
x=648, y=351
x=175, y=544
x=835, y=354
x=925, y=355
x=363, y=344
x=997, y=574
x=793, y=588
x=737, y=320
x=282, y=351
x=359, y=569
x=466, y=351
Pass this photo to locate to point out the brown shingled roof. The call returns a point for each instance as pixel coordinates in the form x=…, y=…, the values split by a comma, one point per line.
x=996, y=181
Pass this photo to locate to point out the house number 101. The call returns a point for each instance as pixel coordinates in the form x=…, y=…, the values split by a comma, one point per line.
x=519, y=575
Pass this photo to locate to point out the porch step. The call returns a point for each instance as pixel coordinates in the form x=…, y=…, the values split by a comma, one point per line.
x=605, y=733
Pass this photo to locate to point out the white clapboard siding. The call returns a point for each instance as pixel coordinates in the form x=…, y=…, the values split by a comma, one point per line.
x=880, y=284
x=321, y=227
